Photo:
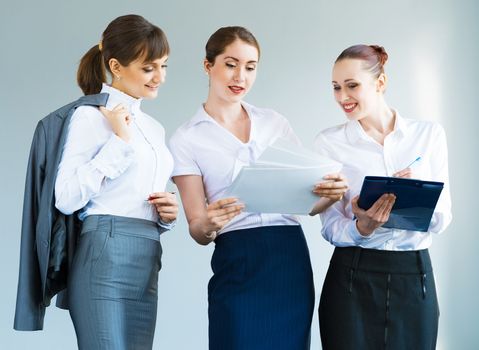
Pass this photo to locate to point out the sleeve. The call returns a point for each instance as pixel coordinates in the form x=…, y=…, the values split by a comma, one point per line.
x=86, y=161
x=30, y=310
x=166, y=226
x=439, y=168
x=338, y=225
x=182, y=152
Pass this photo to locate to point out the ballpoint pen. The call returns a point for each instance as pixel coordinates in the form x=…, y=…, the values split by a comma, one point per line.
x=414, y=161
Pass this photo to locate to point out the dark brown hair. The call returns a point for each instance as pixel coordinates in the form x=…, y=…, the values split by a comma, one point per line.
x=126, y=39
x=225, y=36
x=373, y=56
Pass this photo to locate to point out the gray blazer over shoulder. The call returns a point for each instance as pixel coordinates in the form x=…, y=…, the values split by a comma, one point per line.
x=48, y=237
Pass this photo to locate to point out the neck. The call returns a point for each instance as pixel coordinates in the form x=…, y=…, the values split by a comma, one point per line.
x=223, y=111
x=379, y=122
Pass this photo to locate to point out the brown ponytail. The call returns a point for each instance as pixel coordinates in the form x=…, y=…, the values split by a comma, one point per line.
x=127, y=38
x=91, y=71
x=373, y=56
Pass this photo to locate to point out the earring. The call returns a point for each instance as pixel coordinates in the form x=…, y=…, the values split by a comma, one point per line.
x=117, y=77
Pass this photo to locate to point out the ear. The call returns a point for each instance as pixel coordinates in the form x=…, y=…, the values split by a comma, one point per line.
x=115, y=67
x=207, y=66
x=381, y=83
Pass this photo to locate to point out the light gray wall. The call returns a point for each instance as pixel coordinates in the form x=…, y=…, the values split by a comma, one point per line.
x=432, y=73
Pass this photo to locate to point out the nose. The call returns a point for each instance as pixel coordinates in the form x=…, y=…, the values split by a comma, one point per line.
x=341, y=96
x=160, y=76
x=239, y=75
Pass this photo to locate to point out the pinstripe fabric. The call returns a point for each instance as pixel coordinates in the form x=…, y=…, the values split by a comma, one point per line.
x=378, y=299
x=114, y=283
x=261, y=295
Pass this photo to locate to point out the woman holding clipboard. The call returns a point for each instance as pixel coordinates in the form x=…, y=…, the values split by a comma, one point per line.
x=379, y=291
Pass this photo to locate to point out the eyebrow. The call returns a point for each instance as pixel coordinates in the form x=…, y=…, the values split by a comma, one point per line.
x=347, y=80
x=237, y=60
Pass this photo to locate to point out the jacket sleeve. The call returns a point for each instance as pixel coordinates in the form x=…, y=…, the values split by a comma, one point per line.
x=30, y=311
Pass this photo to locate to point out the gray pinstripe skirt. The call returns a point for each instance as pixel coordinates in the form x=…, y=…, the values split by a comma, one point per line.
x=113, y=283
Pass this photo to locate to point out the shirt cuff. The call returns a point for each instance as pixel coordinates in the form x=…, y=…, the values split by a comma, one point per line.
x=356, y=235
x=114, y=157
x=166, y=226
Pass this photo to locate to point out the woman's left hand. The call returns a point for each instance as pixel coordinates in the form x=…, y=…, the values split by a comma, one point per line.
x=333, y=188
x=166, y=205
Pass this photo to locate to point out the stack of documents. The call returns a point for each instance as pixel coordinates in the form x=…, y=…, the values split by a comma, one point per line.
x=282, y=180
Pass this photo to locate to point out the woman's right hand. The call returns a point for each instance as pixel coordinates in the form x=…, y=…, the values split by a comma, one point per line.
x=219, y=213
x=376, y=216
x=119, y=119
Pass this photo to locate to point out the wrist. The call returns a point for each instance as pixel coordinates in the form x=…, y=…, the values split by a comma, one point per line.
x=363, y=231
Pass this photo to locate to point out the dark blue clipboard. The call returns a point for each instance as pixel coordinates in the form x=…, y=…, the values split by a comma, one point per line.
x=415, y=200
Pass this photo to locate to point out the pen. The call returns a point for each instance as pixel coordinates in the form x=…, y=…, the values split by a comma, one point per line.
x=414, y=161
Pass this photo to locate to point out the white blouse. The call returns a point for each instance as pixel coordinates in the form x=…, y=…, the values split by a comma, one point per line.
x=205, y=148
x=361, y=155
x=99, y=173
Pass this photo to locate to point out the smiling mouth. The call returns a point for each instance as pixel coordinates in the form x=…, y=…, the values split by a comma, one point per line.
x=152, y=87
x=349, y=107
x=236, y=89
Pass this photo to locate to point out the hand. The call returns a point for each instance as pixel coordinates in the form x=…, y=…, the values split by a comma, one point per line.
x=374, y=217
x=333, y=188
x=219, y=213
x=119, y=119
x=166, y=205
x=405, y=173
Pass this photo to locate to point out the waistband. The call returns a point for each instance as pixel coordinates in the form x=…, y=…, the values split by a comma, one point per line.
x=121, y=225
x=260, y=232
x=384, y=261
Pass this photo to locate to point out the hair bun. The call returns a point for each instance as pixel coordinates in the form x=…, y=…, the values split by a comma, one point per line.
x=381, y=52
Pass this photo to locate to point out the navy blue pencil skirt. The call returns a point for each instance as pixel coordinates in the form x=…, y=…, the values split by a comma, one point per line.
x=376, y=299
x=113, y=284
x=261, y=295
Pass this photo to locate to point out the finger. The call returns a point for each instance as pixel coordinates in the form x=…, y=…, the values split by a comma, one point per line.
x=227, y=210
x=119, y=107
x=227, y=217
x=168, y=217
x=222, y=202
x=385, y=209
x=167, y=210
x=325, y=191
x=103, y=110
x=335, y=177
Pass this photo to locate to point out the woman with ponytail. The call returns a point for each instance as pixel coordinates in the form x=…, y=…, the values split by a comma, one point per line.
x=113, y=173
x=379, y=292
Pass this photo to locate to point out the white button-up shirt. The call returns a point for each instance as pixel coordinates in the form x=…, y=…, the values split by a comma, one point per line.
x=99, y=173
x=361, y=155
x=205, y=148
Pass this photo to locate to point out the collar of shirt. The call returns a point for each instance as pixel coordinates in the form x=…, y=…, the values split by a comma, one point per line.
x=355, y=132
x=202, y=116
x=116, y=97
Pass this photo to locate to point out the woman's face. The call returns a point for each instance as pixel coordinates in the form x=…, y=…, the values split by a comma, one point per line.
x=356, y=90
x=139, y=79
x=233, y=72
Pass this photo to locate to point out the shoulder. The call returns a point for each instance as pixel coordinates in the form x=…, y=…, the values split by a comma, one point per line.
x=267, y=114
x=333, y=133
x=422, y=127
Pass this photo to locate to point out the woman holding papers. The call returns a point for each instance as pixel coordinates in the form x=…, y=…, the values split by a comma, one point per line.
x=111, y=169
x=261, y=295
x=379, y=291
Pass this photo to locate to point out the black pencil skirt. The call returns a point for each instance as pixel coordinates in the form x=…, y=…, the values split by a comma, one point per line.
x=261, y=296
x=376, y=299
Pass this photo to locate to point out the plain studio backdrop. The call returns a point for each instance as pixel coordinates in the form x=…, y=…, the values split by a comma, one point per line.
x=433, y=75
